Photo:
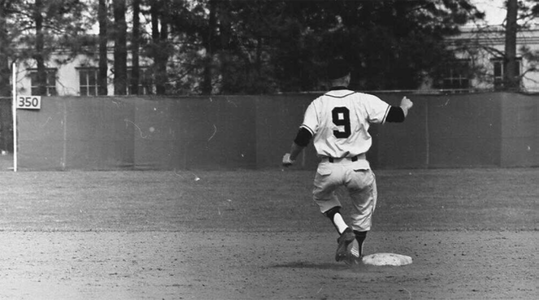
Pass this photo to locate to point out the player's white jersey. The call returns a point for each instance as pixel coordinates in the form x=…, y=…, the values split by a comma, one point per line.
x=339, y=122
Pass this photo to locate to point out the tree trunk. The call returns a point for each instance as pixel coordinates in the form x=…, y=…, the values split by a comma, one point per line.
x=40, y=46
x=208, y=41
x=163, y=58
x=135, y=44
x=102, y=74
x=120, y=48
x=160, y=41
x=225, y=33
x=5, y=89
x=511, y=78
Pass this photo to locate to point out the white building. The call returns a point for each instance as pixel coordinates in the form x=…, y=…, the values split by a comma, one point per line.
x=76, y=76
x=482, y=48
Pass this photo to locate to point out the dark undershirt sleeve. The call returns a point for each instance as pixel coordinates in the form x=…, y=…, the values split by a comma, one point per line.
x=303, y=137
x=395, y=115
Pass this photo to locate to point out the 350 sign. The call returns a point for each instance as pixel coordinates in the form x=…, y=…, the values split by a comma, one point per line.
x=29, y=102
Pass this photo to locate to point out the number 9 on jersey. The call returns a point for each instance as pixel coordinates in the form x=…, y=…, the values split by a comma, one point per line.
x=341, y=117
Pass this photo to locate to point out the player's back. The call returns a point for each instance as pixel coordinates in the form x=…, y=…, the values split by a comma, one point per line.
x=343, y=120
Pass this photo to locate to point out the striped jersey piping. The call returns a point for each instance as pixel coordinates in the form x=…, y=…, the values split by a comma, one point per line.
x=339, y=96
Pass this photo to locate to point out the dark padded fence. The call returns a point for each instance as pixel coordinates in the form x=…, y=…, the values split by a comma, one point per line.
x=471, y=130
x=76, y=133
x=6, y=125
x=519, y=131
x=444, y=131
x=138, y=133
x=184, y=133
x=253, y=132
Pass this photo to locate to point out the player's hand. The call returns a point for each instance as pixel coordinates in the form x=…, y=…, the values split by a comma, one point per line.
x=287, y=162
x=406, y=103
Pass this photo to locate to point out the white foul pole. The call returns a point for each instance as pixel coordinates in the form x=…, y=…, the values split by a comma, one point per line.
x=14, y=113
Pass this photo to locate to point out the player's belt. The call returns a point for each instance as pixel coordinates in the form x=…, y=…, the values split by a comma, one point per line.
x=354, y=158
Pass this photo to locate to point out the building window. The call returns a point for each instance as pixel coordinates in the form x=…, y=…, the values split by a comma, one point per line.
x=88, y=81
x=145, y=86
x=499, y=71
x=456, y=75
x=50, y=84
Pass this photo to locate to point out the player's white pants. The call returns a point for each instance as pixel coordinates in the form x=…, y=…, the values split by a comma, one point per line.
x=358, y=180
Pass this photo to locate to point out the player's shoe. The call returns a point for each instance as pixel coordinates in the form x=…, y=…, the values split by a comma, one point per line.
x=346, y=238
x=354, y=256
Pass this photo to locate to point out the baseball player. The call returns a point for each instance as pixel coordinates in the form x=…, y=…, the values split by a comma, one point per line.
x=338, y=124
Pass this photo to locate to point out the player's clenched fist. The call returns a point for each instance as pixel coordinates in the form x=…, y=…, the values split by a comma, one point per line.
x=287, y=162
x=406, y=104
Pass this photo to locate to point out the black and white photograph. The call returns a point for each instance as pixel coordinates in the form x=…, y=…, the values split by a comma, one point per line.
x=269, y=149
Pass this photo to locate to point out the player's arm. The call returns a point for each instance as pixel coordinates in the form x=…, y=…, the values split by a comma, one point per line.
x=397, y=114
x=301, y=141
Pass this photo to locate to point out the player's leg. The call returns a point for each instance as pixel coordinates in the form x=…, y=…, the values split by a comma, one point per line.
x=335, y=216
x=326, y=181
x=325, y=184
x=363, y=194
x=360, y=237
x=346, y=234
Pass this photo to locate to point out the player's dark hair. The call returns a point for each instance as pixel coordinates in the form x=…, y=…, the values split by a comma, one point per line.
x=338, y=68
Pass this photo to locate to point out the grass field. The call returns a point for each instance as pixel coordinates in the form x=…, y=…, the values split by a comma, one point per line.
x=257, y=235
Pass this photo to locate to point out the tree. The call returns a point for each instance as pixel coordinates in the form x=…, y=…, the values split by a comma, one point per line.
x=39, y=55
x=208, y=40
x=519, y=15
x=5, y=49
x=5, y=90
x=31, y=30
x=161, y=13
x=120, y=47
x=528, y=11
x=135, y=45
x=285, y=45
x=41, y=27
x=511, y=78
x=102, y=75
x=266, y=46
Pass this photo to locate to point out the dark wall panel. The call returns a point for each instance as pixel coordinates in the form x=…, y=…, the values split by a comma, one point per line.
x=199, y=132
x=99, y=135
x=42, y=136
x=520, y=134
x=277, y=122
x=238, y=132
x=401, y=145
x=76, y=133
x=464, y=131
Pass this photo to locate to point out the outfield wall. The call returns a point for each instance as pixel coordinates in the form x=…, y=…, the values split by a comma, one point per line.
x=253, y=132
x=6, y=122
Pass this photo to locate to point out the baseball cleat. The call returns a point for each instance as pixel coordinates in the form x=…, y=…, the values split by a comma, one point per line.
x=354, y=256
x=344, y=241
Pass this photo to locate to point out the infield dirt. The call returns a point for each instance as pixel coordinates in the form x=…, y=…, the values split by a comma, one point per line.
x=258, y=235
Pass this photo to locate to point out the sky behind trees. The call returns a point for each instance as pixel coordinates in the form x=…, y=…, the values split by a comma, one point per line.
x=494, y=10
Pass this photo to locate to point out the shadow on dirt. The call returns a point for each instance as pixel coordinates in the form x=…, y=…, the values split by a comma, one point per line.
x=310, y=265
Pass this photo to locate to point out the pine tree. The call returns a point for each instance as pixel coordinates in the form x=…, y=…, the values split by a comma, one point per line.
x=102, y=77
x=120, y=47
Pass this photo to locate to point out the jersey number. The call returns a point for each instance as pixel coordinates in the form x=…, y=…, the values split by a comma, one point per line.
x=341, y=117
